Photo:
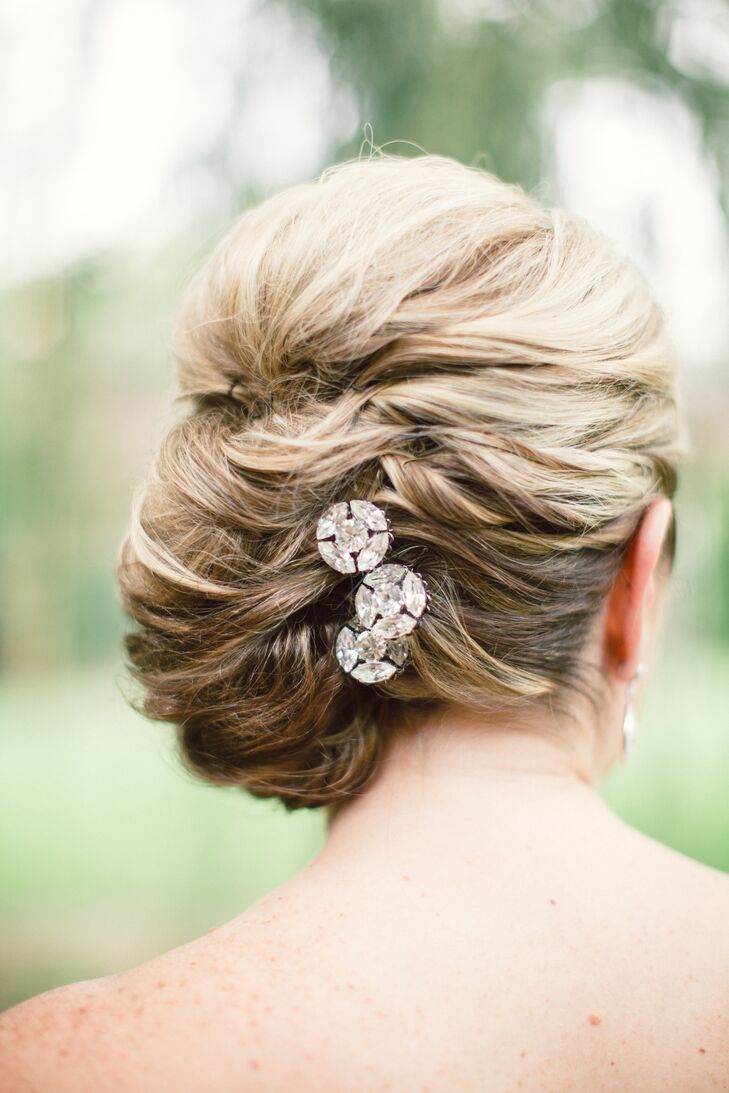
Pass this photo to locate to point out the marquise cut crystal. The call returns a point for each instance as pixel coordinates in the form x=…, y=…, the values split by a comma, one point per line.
x=346, y=648
x=391, y=600
x=368, y=657
x=353, y=536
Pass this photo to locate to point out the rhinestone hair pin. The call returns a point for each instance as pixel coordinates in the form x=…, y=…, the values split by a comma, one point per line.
x=353, y=537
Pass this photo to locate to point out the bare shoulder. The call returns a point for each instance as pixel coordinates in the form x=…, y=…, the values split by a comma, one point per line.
x=319, y=982
x=676, y=912
x=38, y=1037
x=203, y=1016
x=684, y=882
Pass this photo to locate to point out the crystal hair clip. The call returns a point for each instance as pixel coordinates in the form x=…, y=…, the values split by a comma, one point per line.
x=353, y=537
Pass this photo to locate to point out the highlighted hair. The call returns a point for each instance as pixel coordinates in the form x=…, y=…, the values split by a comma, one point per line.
x=415, y=332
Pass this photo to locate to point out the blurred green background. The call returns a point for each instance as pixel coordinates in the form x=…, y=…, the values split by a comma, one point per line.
x=133, y=132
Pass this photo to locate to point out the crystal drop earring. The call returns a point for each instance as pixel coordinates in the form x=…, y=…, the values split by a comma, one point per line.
x=630, y=719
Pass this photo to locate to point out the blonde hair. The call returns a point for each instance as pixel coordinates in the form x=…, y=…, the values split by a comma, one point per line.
x=415, y=332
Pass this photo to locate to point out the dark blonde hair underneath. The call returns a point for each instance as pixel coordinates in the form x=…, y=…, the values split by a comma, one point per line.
x=418, y=333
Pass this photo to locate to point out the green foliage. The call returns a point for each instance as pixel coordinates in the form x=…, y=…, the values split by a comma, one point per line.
x=473, y=88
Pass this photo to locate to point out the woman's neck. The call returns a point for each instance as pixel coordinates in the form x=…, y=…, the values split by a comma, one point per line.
x=461, y=773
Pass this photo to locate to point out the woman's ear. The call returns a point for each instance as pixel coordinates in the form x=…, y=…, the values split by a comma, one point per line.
x=631, y=602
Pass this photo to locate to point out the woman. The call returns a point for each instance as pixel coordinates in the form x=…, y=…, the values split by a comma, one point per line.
x=490, y=384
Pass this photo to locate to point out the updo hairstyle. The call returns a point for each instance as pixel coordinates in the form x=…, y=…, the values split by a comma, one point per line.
x=414, y=332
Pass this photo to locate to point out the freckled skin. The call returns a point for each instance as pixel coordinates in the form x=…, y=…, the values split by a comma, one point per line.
x=545, y=948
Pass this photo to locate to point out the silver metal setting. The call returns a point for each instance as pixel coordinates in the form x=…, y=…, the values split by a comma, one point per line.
x=391, y=600
x=353, y=537
x=366, y=656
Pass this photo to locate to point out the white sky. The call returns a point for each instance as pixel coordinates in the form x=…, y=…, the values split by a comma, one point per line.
x=134, y=123
x=108, y=117
x=631, y=162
